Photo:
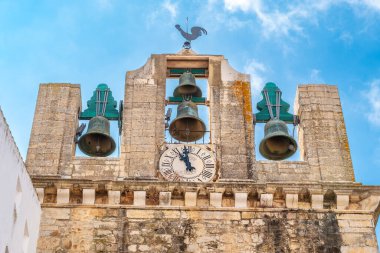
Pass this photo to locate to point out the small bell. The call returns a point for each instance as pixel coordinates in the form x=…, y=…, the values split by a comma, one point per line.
x=187, y=86
x=97, y=141
x=277, y=143
x=187, y=126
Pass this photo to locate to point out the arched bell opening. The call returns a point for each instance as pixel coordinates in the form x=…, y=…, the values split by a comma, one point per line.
x=275, y=128
x=186, y=110
x=100, y=125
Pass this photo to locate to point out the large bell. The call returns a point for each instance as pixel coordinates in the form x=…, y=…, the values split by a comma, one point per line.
x=97, y=141
x=277, y=143
x=187, y=86
x=187, y=126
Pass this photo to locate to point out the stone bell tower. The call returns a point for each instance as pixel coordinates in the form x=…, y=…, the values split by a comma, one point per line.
x=213, y=196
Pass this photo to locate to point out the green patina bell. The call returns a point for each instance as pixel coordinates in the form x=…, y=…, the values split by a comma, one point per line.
x=187, y=126
x=97, y=141
x=277, y=143
x=187, y=86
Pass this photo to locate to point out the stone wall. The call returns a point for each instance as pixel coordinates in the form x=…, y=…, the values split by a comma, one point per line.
x=137, y=216
x=109, y=229
x=231, y=120
x=143, y=118
x=51, y=145
x=323, y=141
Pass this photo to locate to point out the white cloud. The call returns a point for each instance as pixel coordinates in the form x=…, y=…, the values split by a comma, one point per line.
x=372, y=95
x=271, y=21
x=295, y=14
x=171, y=8
x=160, y=15
x=315, y=76
x=375, y=4
x=257, y=71
x=216, y=18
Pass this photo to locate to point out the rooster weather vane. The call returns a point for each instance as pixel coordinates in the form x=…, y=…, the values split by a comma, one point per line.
x=196, y=31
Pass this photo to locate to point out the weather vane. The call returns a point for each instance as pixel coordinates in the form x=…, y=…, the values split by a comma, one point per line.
x=196, y=31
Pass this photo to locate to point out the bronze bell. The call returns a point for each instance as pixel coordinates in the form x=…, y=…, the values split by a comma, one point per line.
x=187, y=126
x=187, y=86
x=97, y=141
x=277, y=143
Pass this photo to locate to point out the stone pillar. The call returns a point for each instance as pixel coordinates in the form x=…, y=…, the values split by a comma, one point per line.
x=322, y=136
x=143, y=118
x=51, y=145
x=231, y=119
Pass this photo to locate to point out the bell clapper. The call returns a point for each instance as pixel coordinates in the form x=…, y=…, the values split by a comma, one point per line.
x=97, y=146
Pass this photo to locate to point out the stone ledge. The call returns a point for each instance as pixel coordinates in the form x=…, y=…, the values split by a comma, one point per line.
x=219, y=195
x=247, y=213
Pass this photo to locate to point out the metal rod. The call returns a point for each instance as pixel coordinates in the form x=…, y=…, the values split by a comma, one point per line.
x=269, y=105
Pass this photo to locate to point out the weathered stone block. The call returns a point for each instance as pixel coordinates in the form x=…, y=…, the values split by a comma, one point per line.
x=165, y=198
x=241, y=199
x=291, y=200
x=317, y=201
x=63, y=196
x=139, y=198
x=216, y=199
x=342, y=202
x=266, y=200
x=190, y=198
x=113, y=197
x=88, y=196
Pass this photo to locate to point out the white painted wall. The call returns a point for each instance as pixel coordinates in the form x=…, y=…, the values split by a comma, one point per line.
x=20, y=209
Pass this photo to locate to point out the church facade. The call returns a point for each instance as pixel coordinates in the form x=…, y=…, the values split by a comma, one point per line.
x=212, y=196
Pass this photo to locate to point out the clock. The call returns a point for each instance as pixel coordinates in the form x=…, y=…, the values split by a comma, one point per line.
x=187, y=163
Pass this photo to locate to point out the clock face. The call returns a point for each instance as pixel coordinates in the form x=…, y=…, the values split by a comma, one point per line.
x=188, y=163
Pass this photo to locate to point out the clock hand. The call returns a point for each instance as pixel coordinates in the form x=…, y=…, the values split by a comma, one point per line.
x=185, y=157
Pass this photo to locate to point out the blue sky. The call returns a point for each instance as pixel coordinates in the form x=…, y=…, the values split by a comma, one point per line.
x=289, y=43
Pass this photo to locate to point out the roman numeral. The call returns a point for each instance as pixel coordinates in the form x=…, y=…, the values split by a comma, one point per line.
x=206, y=174
x=169, y=157
x=175, y=178
x=209, y=165
x=168, y=172
x=206, y=157
x=166, y=164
